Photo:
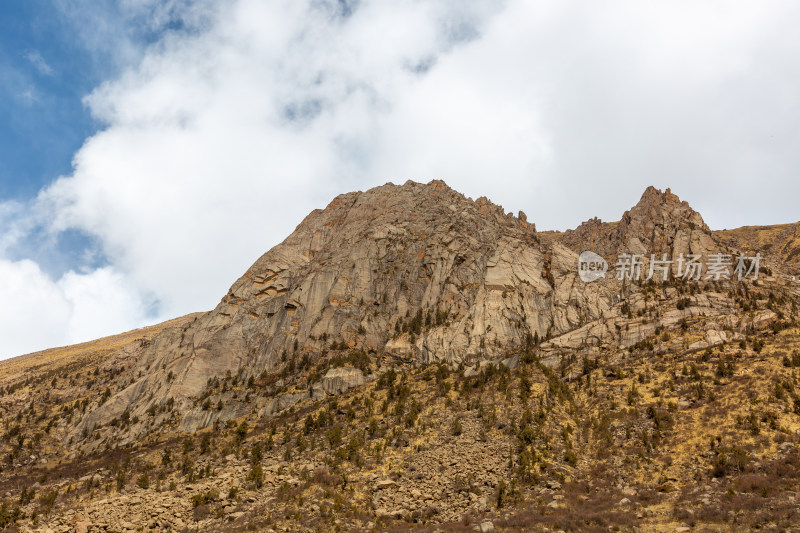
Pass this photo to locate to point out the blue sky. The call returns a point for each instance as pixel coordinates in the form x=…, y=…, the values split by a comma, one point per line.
x=54, y=54
x=151, y=150
x=47, y=71
x=49, y=61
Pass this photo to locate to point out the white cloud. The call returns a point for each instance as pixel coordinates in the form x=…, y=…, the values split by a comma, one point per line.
x=15, y=224
x=32, y=315
x=221, y=142
x=569, y=109
x=28, y=96
x=37, y=312
x=103, y=301
x=230, y=130
x=39, y=63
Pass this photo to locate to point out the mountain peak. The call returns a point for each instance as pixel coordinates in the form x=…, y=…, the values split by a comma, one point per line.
x=660, y=222
x=653, y=195
x=413, y=272
x=663, y=208
x=380, y=271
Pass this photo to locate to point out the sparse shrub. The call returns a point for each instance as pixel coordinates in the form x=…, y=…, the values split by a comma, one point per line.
x=205, y=444
x=373, y=427
x=758, y=345
x=501, y=494
x=335, y=437
x=256, y=454
x=241, y=432
x=120, y=480
x=727, y=461
x=144, y=481
x=524, y=388
x=387, y=379
x=204, y=498
x=570, y=457
x=633, y=394
x=26, y=496
x=8, y=516
x=47, y=501
x=256, y=476
x=527, y=435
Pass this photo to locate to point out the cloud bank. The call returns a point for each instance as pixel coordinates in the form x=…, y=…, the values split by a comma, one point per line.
x=232, y=125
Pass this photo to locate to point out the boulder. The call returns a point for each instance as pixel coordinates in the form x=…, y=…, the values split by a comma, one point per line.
x=339, y=380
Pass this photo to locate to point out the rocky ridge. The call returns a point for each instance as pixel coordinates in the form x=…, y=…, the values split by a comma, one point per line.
x=417, y=271
x=659, y=223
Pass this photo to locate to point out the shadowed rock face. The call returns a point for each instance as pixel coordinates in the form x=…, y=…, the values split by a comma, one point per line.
x=416, y=271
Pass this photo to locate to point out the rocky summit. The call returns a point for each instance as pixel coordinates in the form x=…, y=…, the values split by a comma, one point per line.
x=415, y=272
x=410, y=358
x=660, y=223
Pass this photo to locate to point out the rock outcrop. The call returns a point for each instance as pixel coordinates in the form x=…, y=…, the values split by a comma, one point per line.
x=417, y=272
x=339, y=380
x=659, y=223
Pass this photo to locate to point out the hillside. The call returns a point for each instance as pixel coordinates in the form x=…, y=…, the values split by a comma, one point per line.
x=47, y=361
x=411, y=359
x=781, y=241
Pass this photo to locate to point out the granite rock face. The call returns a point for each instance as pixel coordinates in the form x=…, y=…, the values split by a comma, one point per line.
x=339, y=380
x=659, y=223
x=417, y=271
